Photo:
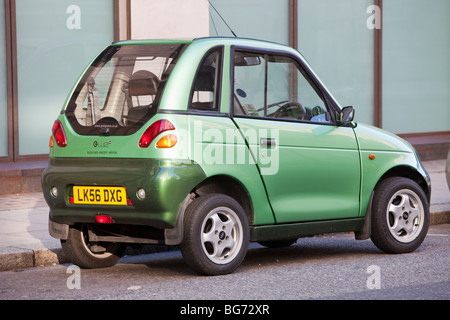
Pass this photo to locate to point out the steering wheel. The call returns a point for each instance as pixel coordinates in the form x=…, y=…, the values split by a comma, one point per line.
x=291, y=108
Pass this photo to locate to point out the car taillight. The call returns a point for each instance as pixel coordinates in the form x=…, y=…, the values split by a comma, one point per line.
x=167, y=141
x=104, y=219
x=154, y=130
x=59, y=134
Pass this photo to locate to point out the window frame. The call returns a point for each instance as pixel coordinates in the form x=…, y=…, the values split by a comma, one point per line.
x=331, y=106
x=218, y=95
x=104, y=57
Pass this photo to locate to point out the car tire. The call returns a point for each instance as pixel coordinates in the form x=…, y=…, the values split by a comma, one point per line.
x=79, y=250
x=216, y=235
x=400, y=215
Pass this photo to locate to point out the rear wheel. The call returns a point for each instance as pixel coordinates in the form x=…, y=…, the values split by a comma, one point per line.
x=400, y=215
x=89, y=255
x=216, y=235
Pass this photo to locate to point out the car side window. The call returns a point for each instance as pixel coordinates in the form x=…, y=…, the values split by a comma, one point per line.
x=206, y=86
x=275, y=86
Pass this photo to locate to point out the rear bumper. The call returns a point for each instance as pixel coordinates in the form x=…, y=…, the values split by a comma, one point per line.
x=166, y=184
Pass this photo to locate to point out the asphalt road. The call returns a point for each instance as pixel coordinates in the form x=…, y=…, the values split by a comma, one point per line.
x=324, y=267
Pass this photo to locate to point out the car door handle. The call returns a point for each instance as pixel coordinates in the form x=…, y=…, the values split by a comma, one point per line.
x=271, y=143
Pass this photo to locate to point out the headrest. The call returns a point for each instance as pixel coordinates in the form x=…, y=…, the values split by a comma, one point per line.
x=205, y=79
x=143, y=83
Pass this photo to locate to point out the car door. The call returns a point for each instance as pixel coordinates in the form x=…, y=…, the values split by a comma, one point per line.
x=309, y=165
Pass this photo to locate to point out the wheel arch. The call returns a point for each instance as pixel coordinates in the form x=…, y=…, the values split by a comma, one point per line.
x=397, y=171
x=229, y=186
x=223, y=184
x=407, y=172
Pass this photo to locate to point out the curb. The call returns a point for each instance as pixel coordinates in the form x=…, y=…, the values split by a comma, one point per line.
x=26, y=258
x=440, y=214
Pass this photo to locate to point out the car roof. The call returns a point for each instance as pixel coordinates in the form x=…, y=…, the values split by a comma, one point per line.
x=237, y=41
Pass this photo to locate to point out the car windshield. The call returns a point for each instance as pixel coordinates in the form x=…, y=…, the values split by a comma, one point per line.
x=120, y=91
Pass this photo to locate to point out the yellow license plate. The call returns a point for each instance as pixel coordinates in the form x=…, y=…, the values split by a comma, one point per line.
x=99, y=195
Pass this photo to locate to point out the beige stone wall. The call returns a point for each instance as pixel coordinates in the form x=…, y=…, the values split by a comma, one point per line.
x=162, y=19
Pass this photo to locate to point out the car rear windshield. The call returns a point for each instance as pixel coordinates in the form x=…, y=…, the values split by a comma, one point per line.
x=120, y=91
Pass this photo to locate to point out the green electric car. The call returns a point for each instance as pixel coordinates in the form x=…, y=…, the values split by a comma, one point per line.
x=213, y=143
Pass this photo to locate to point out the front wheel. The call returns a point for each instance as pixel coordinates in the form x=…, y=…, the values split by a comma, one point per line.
x=216, y=235
x=400, y=215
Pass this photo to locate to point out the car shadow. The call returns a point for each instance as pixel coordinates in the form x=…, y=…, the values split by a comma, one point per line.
x=307, y=249
x=324, y=247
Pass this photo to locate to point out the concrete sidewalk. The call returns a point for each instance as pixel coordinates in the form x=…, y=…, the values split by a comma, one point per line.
x=25, y=242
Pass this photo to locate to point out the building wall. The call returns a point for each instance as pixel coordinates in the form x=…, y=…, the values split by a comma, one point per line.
x=156, y=19
x=260, y=19
x=55, y=41
x=3, y=92
x=47, y=44
x=416, y=65
x=335, y=39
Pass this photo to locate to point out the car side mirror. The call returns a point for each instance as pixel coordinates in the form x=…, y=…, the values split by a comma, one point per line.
x=346, y=115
